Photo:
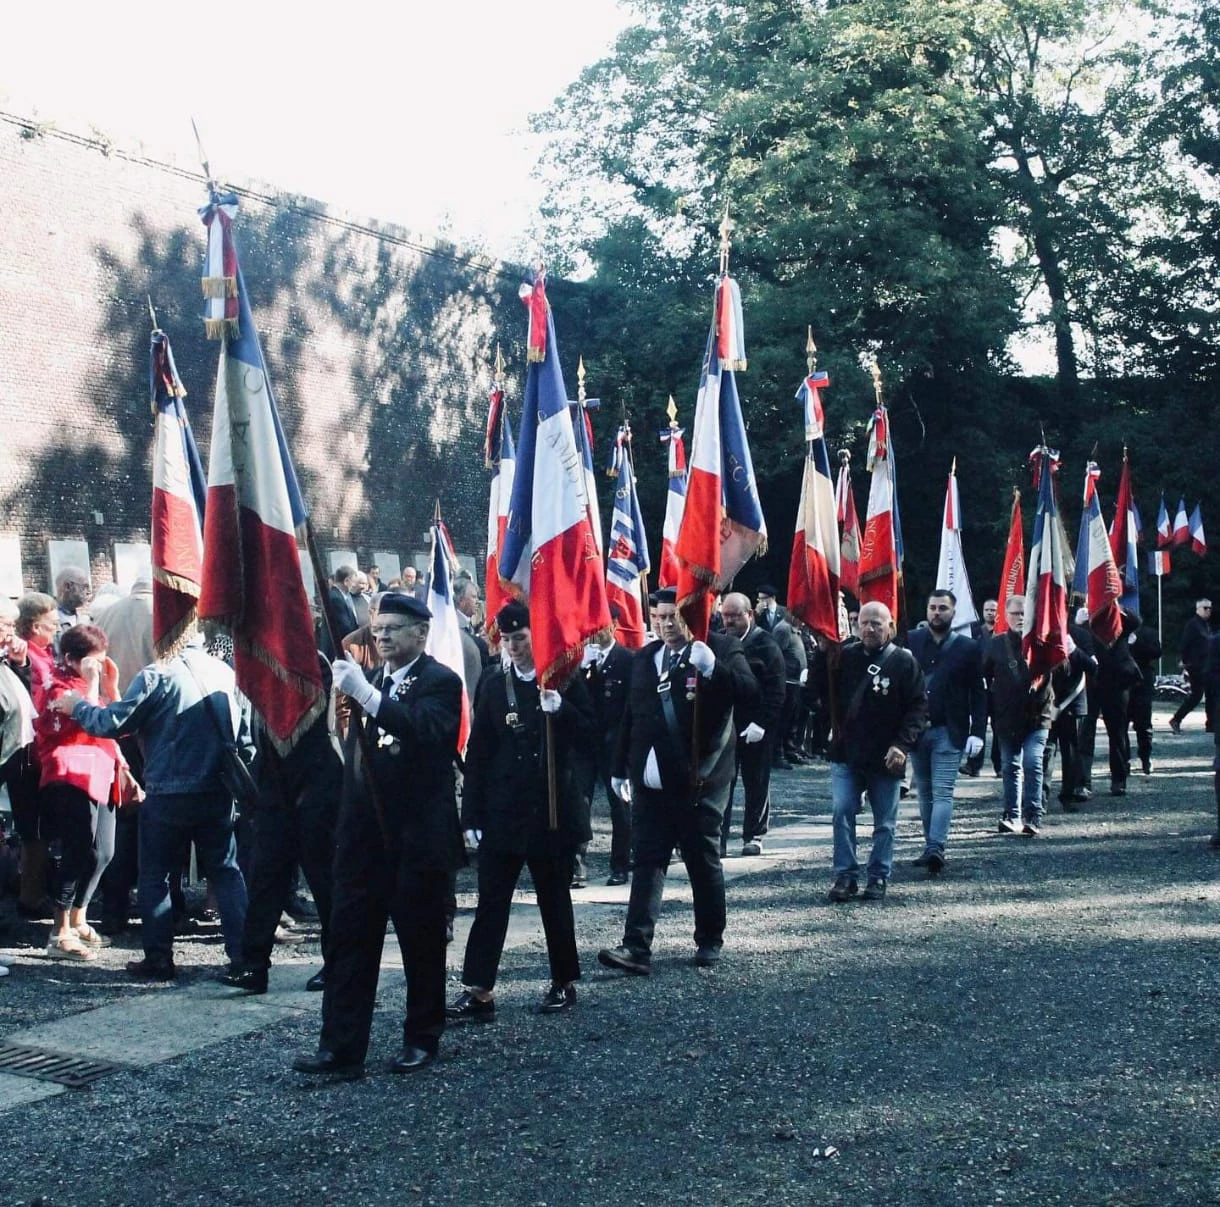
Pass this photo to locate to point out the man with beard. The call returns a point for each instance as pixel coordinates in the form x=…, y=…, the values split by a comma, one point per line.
x=952, y=668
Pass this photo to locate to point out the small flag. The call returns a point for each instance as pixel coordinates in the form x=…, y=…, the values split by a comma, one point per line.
x=1044, y=639
x=849, y=528
x=951, y=567
x=1164, y=530
x=880, y=564
x=627, y=562
x=1198, y=542
x=1013, y=574
x=445, y=635
x=1181, y=525
x=501, y=457
x=675, y=502
x=1158, y=563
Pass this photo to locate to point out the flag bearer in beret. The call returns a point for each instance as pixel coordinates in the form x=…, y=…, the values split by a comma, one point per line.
x=505, y=813
x=396, y=866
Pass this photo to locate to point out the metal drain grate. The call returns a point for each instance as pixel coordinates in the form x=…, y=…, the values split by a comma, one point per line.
x=75, y=1072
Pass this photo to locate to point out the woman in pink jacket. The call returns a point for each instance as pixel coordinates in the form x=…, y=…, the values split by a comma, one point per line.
x=82, y=780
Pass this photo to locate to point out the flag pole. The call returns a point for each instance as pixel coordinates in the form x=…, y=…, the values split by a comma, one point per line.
x=1160, y=662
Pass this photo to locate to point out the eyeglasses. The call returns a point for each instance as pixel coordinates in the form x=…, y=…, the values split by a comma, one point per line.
x=388, y=630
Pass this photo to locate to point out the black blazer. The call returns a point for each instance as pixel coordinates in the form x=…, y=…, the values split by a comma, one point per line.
x=505, y=793
x=607, y=686
x=767, y=665
x=957, y=696
x=731, y=684
x=413, y=742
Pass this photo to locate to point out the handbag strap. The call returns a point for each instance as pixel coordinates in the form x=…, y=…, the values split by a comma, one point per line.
x=228, y=739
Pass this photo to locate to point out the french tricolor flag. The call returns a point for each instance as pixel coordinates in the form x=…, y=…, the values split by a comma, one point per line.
x=179, y=489
x=1124, y=538
x=849, y=527
x=951, y=566
x=445, y=635
x=1181, y=525
x=1164, y=530
x=722, y=522
x=1198, y=542
x=1044, y=638
x=881, y=550
x=1097, y=578
x=550, y=556
x=251, y=567
x=675, y=504
x=813, y=570
x=500, y=456
x=627, y=564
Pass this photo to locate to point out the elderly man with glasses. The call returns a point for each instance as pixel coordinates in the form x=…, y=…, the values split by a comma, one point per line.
x=1195, y=639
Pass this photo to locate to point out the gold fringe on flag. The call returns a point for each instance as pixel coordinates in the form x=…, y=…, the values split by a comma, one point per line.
x=221, y=328
x=219, y=287
x=535, y=356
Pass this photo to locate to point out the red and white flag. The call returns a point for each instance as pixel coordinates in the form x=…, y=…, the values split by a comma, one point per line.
x=813, y=571
x=849, y=528
x=675, y=501
x=252, y=580
x=500, y=456
x=1181, y=525
x=1044, y=638
x=445, y=634
x=951, y=566
x=880, y=563
x=1103, y=583
x=179, y=489
x=550, y=554
x=1012, y=577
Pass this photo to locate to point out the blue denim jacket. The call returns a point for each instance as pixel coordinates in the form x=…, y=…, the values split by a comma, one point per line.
x=181, y=739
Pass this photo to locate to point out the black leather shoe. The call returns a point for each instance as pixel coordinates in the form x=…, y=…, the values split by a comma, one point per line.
x=409, y=1059
x=843, y=889
x=466, y=1008
x=874, y=890
x=625, y=960
x=936, y=863
x=557, y=999
x=707, y=955
x=324, y=1063
x=151, y=970
x=616, y=878
x=922, y=861
x=248, y=980
x=317, y=982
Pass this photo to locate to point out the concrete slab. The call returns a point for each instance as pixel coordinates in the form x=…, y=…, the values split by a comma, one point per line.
x=21, y=1091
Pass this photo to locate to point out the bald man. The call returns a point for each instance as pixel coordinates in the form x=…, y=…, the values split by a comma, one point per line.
x=883, y=710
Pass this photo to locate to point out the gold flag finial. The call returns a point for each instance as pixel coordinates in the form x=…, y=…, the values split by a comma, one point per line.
x=953, y=468
x=727, y=227
x=152, y=314
x=672, y=411
x=811, y=352
x=499, y=367
x=580, y=380
x=877, y=381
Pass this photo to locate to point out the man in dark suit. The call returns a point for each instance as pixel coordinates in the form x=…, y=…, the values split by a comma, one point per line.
x=758, y=729
x=680, y=760
x=342, y=610
x=606, y=667
x=1196, y=638
x=397, y=850
x=506, y=814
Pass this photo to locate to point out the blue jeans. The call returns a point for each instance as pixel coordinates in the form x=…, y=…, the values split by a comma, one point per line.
x=167, y=825
x=847, y=785
x=1021, y=770
x=936, y=761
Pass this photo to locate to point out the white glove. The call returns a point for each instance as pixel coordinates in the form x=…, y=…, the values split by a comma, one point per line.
x=804, y=676
x=753, y=733
x=350, y=680
x=472, y=837
x=550, y=700
x=622, y=788
x=974, y=747
x=592, y=656
x=702, y=658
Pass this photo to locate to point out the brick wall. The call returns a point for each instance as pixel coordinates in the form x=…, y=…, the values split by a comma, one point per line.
x=378, y=344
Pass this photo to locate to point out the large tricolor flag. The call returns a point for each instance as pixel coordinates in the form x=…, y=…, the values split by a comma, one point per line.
x=499, y=455
x=1198, y=542
x=445, y=634
x=179, y=489
x=881, y=550
x=813, y=572
x=722, y=523
x=627, y=563
x=1013, y=574
x=1044, y=638
x=550, y=556
x=1181, y=525
x=1097, y=577
x=252, y=580
x=951, y=566
x=1164, y=530
x=849, y=527
x=582, y=427
x=675, y=499
x=1124, y=539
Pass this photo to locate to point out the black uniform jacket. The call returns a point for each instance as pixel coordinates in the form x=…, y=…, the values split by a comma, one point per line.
x=767, y=664
x=882, y=702
x=413, y=741
x=505, y=793
x=731, y=684
x=607, y=684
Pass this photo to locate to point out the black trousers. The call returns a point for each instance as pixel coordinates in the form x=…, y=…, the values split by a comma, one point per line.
x=1063, y=744
x=499, y=872
x=1198, y=684
x=620, y=810
x=754, y=770
x=658, y=825
x=1139, y=713
x=371, y=887
x=787, y=740
x=1114, y=717
x=85, y=834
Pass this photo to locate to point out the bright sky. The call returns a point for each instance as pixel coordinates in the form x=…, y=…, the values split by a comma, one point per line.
x=411, y=112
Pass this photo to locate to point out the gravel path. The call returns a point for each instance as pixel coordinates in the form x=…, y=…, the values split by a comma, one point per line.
x=1038, y=1026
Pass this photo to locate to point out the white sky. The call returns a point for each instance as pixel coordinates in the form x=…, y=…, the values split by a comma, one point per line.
x=412, y=112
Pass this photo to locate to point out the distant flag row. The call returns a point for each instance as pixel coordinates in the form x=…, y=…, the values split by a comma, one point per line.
x=1182, y=530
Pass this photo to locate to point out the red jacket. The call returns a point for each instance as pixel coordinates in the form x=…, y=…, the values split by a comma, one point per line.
x=66, y=753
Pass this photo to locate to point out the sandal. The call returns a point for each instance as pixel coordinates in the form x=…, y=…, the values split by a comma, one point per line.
x=86, y=934
x=69, y=948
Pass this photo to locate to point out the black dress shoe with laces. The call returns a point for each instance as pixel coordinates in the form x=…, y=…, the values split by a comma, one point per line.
x=151, y=970
x=625, y=960
x=409, y=1059
x=707, y=955
x=616, y=878
x=248, y=980
x=466, y=1008
x=317, y=982
x=874, y=890
x=324, y=1063
x=557, y=999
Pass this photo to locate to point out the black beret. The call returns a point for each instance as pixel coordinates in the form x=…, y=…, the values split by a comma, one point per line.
x=396, y=604
x=652, y=599
x=513, y=617
x=767, y=589
x=667, y=595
